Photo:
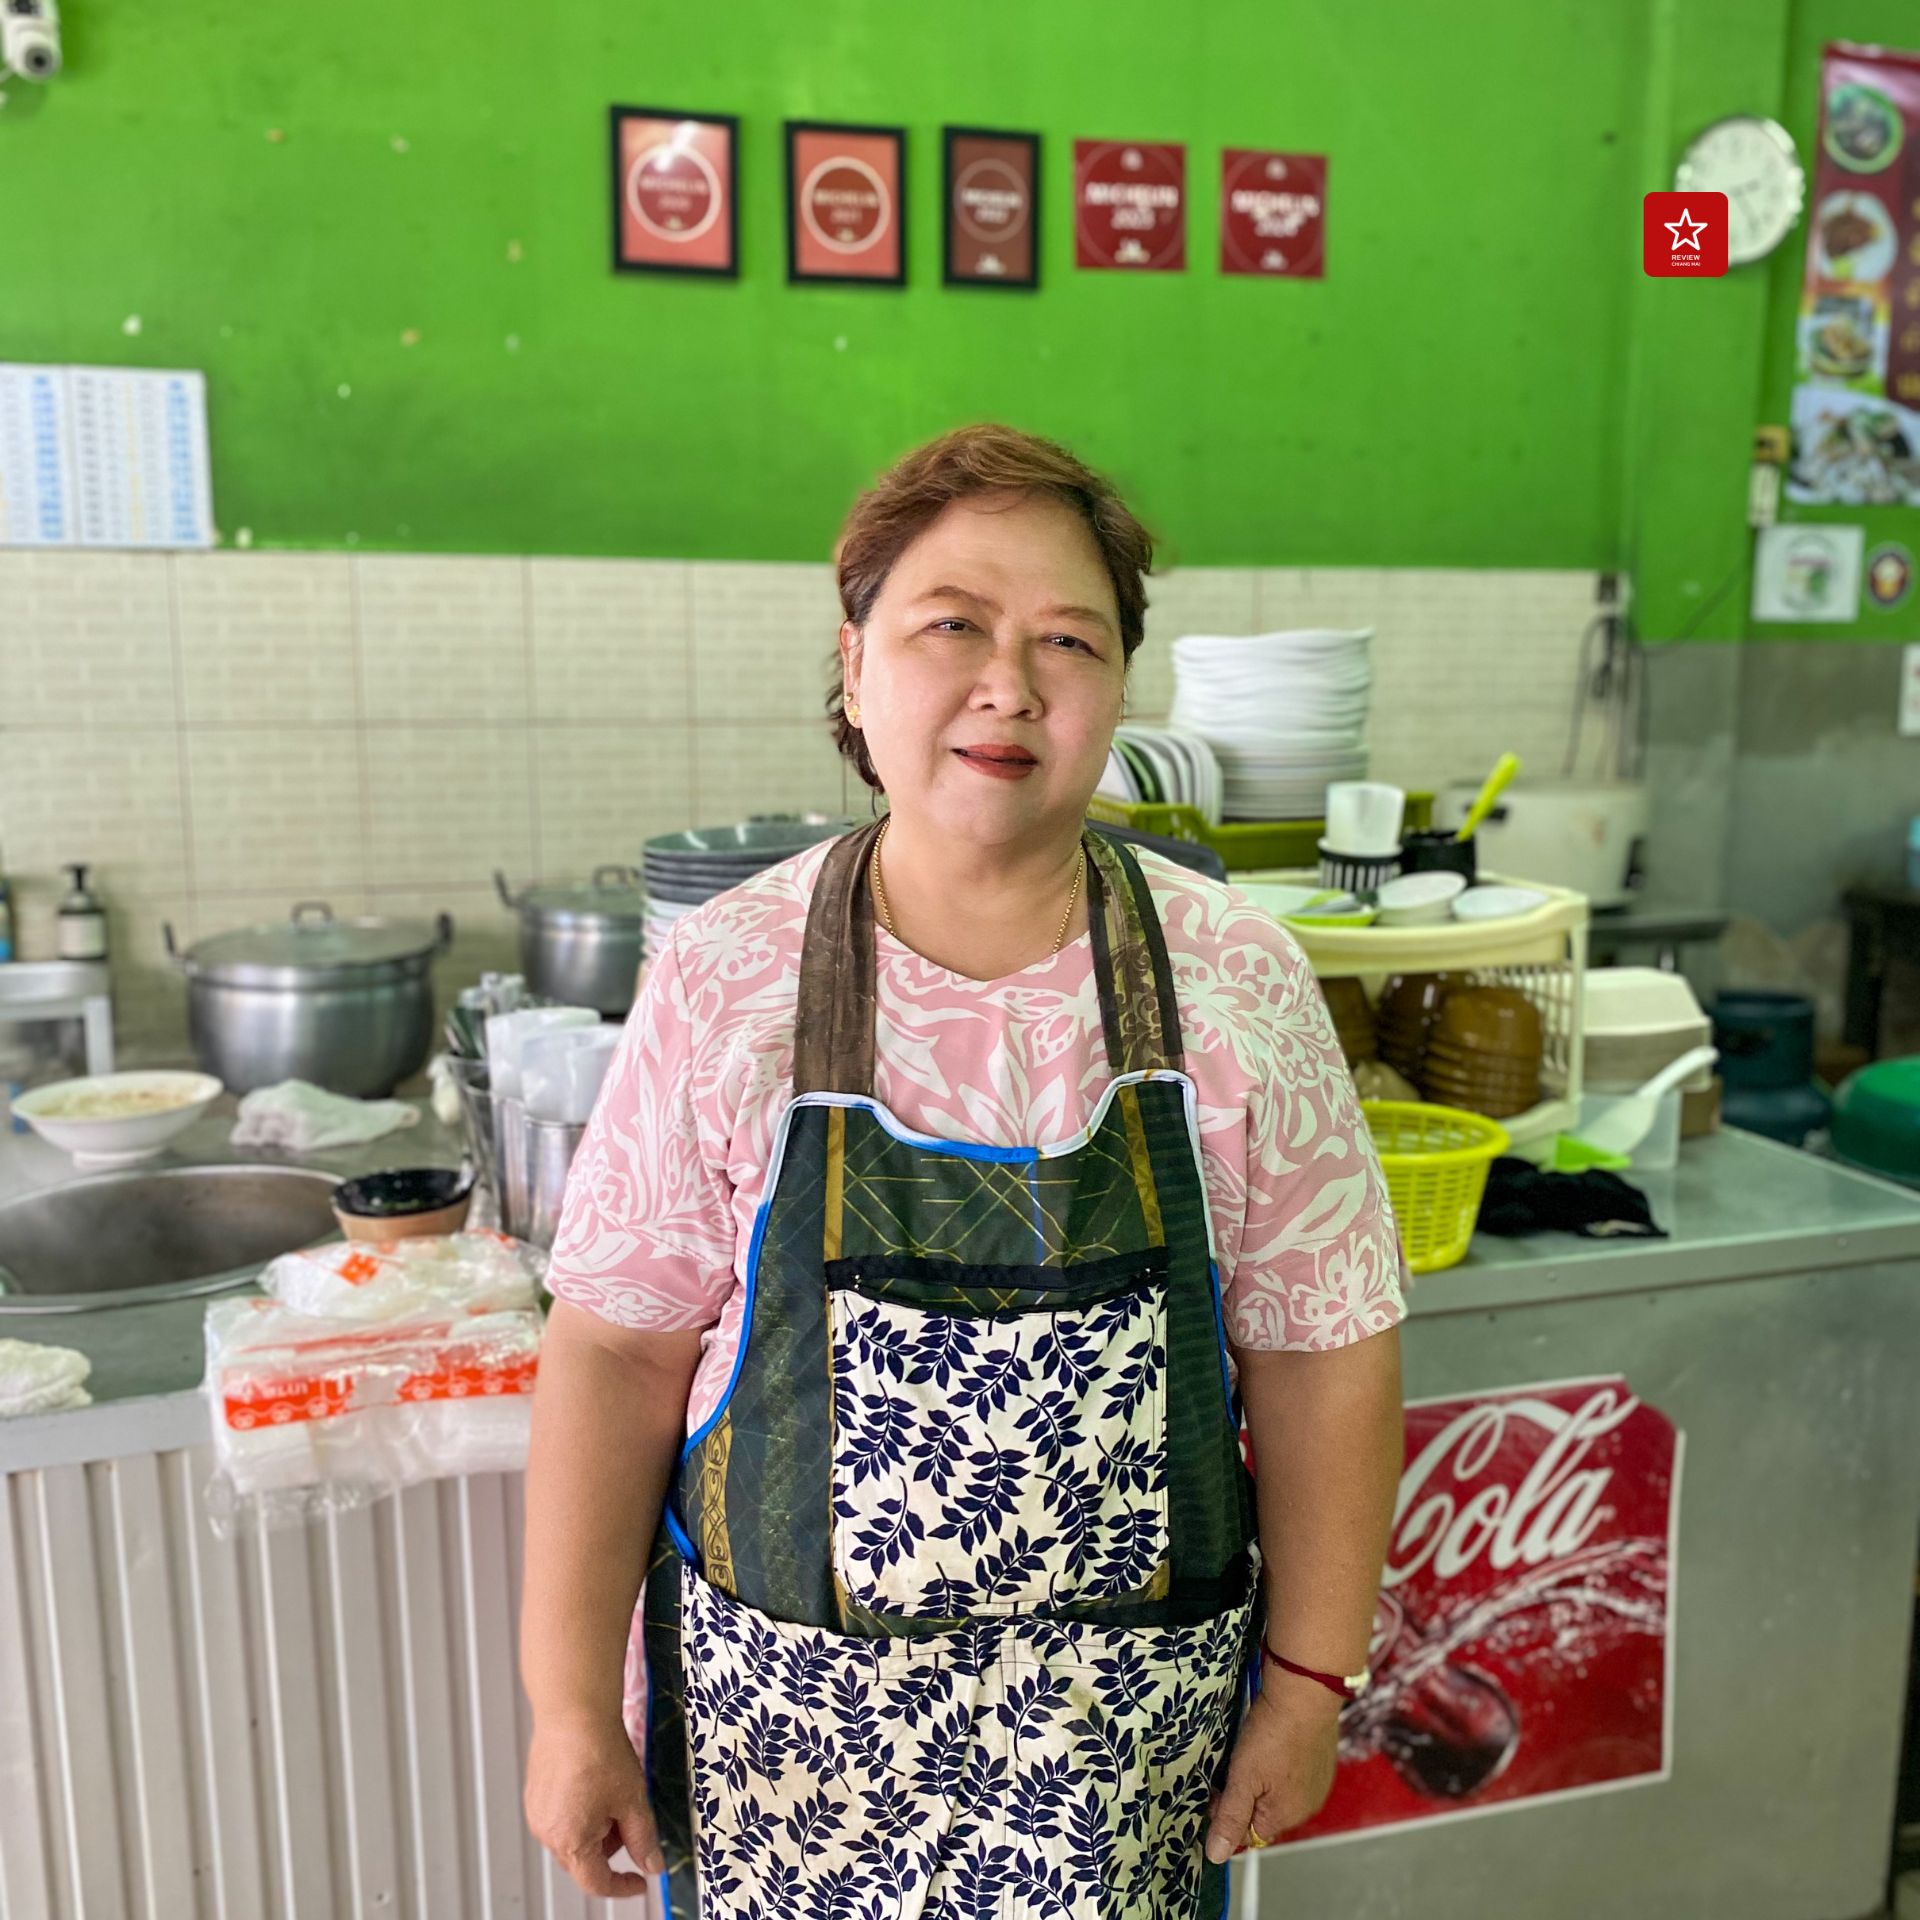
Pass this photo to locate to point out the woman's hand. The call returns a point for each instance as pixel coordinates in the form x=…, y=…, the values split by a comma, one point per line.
x=1282, y=1766
x=586, y=1798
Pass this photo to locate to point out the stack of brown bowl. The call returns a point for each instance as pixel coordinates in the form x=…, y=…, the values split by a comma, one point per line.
x=1409, y=1006
x=1484, y=1052
x=1352, y=1020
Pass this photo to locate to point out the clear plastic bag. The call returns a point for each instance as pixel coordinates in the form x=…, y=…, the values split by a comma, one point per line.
x=321, y=1412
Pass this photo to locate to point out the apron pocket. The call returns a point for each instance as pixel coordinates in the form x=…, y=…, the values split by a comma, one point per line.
x=998, y=1464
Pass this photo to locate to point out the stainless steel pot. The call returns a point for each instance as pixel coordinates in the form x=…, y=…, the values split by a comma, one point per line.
x=581, y=946
x=347, y=1004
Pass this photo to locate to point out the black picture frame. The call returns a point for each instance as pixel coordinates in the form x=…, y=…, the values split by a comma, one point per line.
x=795, y=277
x=617, y=116
x=1031, y=141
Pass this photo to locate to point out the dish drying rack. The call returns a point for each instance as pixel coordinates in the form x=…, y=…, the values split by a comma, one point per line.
x=1542, y=952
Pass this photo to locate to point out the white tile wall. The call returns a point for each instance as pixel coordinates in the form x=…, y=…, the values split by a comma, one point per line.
x=265, y=639
x=224, y=734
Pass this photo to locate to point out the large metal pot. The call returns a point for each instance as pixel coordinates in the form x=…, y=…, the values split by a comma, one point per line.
x=581, y=946
x=346, y=1004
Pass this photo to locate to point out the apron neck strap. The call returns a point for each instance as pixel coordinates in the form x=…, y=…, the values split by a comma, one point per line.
x=834, y=1018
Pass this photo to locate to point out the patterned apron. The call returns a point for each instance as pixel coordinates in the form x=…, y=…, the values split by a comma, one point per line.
x=950, y=1616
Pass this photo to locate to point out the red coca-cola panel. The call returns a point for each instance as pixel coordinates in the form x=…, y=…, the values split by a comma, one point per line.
x=1521, y=1643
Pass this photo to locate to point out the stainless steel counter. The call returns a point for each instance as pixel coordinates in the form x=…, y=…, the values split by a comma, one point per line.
x=148, y=1359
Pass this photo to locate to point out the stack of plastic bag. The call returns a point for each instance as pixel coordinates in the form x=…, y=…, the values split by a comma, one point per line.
x=367, y=1369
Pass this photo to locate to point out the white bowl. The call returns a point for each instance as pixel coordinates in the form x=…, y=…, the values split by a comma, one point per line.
x=1427, y=894
x=117, y=1119
x=1497, y=903
x=1432, y=914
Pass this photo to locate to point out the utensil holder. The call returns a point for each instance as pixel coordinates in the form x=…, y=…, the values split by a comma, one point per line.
x=1440, y=853
x=1356, y=872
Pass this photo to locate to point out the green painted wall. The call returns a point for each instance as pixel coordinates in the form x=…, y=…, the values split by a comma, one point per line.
x=1445, y=396
x=282, y=196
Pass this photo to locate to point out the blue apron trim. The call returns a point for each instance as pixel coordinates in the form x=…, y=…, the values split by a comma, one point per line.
x=1220, y=1329
x=677, y=1533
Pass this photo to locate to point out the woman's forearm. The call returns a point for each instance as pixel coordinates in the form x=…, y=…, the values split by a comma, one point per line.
x=608, y=1415
x=1327, y=1446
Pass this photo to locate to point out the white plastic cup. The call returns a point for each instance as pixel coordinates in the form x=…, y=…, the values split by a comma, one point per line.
x=1364, y=816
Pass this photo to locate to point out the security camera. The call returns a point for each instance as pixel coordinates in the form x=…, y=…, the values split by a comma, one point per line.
x=30, y=37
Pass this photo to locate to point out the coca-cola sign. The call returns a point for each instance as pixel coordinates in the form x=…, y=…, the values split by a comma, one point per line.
x=1521, y=1642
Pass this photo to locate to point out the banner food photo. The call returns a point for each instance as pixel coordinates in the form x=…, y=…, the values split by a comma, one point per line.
x=1521, y=1647
x=1856, y=409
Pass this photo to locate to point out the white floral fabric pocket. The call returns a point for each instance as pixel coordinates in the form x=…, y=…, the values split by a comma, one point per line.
x=995, y=1464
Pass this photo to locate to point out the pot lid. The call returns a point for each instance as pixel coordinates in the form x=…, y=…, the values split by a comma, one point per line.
x=312, y=945
x=614, y=897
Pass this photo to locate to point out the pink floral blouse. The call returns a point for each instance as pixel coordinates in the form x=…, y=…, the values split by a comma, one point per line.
x=660, y=1206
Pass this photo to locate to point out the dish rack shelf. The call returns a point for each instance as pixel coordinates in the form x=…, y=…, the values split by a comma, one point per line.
x=1242, y=844
x=1543, y=953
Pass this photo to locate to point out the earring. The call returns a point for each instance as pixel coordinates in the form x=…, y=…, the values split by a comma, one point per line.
x=853, y=714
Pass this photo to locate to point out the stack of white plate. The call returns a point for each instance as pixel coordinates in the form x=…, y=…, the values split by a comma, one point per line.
x=683, y=870
x=1285, y=714
x=1165, y=764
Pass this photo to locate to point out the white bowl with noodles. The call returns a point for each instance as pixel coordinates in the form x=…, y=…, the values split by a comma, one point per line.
x=117, y=1119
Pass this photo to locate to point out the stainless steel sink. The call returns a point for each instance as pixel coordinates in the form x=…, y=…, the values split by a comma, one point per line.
x=155, y=1234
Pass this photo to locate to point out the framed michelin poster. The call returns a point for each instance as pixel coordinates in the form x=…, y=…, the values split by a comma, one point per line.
x=846, y=204
x=676, y=208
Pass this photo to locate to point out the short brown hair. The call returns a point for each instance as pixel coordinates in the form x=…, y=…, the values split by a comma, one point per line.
x=916, y=490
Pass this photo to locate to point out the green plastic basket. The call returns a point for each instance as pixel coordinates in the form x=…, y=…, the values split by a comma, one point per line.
x=1243, y=844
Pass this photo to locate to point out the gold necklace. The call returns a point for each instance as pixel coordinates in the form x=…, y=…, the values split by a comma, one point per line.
x=886, y=918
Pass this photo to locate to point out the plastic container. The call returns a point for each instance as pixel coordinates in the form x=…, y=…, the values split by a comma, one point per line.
x=1637, y=1019
x=1356, y=872
x=1435, y=1160
x=1659, y=1152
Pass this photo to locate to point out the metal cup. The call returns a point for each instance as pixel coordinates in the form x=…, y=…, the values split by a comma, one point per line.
x=549, y=1150
x=510, y=1162
x=470, y=1080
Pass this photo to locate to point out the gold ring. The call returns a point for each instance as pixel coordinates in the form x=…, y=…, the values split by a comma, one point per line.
x=1254, y=1839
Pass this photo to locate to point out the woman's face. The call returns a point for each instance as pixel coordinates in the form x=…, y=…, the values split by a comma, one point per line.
x=990, y=672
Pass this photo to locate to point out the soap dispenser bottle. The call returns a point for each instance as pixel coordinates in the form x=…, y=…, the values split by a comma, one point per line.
x=83, y=921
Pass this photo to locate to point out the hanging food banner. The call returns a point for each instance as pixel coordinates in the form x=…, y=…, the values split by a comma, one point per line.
x=1522, y=1645
x=1856, y=408
x=846, y=203
x=1130, y=205
x=674, y=205
x=1273, y=213
x=993, y=208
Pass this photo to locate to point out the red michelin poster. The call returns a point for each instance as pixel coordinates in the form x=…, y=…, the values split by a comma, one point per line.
x=1522, y=1645
x=1130, y=205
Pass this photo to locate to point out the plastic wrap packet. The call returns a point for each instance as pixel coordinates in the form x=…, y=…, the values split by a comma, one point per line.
x=314, y=1415
x=473, y=1271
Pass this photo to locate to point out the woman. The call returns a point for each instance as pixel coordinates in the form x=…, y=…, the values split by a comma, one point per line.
x=962, y=1571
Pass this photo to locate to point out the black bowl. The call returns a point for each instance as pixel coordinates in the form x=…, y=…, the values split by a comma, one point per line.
x=1440, y=853
x=402, y=1191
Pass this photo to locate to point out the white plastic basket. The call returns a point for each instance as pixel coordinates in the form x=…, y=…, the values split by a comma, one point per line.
x=1543, y=953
